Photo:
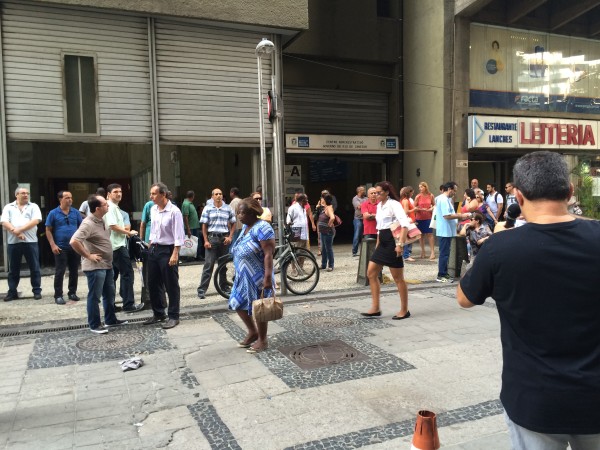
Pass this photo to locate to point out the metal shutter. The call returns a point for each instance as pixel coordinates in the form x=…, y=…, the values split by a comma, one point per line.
x=208, y=84
x=33, y=39
x=324, y=111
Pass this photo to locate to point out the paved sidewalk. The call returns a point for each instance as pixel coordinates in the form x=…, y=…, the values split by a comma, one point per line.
x=330, y=379
x=197, y=390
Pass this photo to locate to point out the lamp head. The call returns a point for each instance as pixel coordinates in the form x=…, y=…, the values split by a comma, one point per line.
x=264, y=47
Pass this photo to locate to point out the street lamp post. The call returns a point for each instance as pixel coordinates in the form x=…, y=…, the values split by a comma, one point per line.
x=264, y=48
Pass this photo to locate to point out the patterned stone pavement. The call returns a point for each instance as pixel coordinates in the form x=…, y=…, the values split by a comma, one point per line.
x=330, y=379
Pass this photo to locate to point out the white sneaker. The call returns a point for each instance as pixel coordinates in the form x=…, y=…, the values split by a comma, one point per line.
x=445, y=279
x=99, y=330
x=116, y=324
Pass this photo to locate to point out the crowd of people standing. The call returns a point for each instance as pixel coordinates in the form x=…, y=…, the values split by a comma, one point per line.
x=218, y=226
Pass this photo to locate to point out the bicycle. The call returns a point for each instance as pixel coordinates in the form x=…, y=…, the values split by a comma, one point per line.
x=298, y=268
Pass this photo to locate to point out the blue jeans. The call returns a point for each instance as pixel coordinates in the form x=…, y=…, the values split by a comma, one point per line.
x=100, y=284
x=32, y=255
x=444, y=255
x=326, y=250
x=524, y=439
x=358, y=230
x=407, y=251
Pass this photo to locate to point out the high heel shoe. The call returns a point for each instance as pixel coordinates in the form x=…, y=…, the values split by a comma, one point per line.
x=375, y=314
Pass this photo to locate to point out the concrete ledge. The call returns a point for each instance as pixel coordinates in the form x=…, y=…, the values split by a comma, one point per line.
x=210, y=309
x=284, y=14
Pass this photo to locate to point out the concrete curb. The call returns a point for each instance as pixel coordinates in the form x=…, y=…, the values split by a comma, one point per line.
x=208, y=310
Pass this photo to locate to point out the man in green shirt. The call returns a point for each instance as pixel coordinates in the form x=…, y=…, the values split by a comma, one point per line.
x=191, y=222
x=118, y=239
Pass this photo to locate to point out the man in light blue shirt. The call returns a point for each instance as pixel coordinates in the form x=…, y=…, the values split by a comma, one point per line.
x=446, y=220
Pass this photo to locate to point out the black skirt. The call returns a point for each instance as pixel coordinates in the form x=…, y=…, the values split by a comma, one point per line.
x=385, y=253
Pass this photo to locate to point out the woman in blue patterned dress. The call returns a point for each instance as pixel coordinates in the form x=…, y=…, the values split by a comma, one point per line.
x=253, y=261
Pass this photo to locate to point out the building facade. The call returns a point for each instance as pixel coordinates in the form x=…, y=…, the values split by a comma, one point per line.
x=101, y=91
x=533, y=84
x=343, y=107
x=153, y=90
x=491, y=80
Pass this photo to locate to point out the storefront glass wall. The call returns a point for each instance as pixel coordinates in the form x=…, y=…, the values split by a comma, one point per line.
x=49, y=167
x=524, y=70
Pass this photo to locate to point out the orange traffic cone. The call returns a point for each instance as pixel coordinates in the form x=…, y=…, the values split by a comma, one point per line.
x=426, y=434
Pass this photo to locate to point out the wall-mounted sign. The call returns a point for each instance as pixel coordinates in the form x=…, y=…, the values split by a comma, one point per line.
x=532, y=132
x=292, y=174
x=321, y=143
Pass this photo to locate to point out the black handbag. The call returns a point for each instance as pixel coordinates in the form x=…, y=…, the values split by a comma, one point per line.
x=317, y=213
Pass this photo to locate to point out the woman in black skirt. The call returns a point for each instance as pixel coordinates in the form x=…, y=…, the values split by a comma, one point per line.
x=387, y=253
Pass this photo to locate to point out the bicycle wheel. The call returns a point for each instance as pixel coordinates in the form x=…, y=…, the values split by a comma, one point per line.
x=300, y=277
x=224, y=277
x=300, y=255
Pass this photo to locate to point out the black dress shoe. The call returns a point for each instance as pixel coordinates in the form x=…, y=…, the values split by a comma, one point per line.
x=10, y=297
x=171, y=323
x=375, y=314
x=135, y=308
x=37, y=296
x=405, y=316
x=154, y=319
x=60, y=301
x=74, y=297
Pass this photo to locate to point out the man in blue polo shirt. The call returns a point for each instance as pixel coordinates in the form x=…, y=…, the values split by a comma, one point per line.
x=61, y=224
x=217, y=222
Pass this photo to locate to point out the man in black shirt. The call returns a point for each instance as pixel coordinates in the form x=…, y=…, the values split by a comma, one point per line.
x=549, y=310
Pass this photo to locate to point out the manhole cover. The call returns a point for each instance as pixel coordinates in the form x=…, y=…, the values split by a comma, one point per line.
x=327, y=322
x=322, y=354
x=110, y=341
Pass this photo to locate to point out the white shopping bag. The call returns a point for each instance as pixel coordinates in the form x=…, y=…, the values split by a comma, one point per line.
x=189, y=248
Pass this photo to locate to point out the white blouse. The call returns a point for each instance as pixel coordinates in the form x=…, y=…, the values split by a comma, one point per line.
x=389, y=212
x=296, y=216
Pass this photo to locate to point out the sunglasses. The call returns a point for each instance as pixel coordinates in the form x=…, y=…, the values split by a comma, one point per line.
x=257, y=198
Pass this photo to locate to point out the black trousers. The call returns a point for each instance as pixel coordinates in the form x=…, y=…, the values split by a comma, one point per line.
x=122, y=264
x=66, y=258
x=161, y=278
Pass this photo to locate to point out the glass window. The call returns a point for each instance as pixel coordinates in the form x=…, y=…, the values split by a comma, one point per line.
x=526, y=70
x=80, y=94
